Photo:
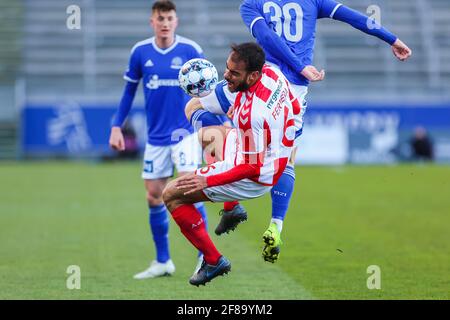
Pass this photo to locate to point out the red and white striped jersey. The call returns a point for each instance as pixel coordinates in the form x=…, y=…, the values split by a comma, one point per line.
x=264, y=117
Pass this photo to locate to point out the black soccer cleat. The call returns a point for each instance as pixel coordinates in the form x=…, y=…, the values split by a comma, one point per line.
x=230, y=219
x=208, y=272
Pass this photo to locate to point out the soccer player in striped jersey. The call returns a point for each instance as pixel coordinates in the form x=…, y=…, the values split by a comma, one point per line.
x=253, y=155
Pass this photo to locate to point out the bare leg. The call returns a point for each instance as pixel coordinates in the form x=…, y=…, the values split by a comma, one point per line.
x=154, y=188
x=212, y=139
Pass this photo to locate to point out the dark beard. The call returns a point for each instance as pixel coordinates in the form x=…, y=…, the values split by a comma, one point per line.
x=243, y=86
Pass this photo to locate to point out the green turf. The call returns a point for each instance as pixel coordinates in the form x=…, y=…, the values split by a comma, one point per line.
x=342, y=220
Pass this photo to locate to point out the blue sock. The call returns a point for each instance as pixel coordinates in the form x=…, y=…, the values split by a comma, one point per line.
x=281, y=193
x=201, y=208
x=159, y=224
x=202, y=118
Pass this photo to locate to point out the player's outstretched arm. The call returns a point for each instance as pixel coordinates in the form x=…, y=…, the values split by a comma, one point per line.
x=371, y=27
x=271, y=42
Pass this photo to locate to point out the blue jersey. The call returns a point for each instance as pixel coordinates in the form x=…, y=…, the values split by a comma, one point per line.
x=164, y=99
x=286, y=29
x=295, y=22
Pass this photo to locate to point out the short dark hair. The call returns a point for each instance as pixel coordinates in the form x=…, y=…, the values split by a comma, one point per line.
x=164, y=6
x=251, y=54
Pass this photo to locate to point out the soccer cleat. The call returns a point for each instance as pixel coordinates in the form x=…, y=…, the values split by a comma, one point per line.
x=156, y=269
x=208, y=272
x=272, y=242
x=230, y=219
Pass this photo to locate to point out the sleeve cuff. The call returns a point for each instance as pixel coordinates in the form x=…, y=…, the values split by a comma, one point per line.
x=335, y=9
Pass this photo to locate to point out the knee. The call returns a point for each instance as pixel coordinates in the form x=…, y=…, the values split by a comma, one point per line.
x=169, y=196
x=153, y=198
x=192, y=106
x=212, y=136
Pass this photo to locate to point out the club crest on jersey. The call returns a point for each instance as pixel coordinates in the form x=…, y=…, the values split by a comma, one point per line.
x=177, y=63
x=149, y=63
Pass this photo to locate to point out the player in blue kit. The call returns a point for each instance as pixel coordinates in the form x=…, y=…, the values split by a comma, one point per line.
x=286, y=31
x=171, y=142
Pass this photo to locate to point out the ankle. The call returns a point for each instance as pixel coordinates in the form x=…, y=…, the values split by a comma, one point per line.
x=228, y=206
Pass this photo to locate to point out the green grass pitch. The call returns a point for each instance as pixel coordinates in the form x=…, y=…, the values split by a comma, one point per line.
x=342, y=220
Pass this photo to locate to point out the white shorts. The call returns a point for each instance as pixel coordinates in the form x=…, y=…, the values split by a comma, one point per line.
x=300, y=93
x=239, y=190
x=159, y=161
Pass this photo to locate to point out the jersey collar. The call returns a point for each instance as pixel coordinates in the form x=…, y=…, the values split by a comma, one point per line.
x=255, y=86
x=167, y=50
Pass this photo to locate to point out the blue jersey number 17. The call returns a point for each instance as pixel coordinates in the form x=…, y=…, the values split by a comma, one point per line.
x=277, y=14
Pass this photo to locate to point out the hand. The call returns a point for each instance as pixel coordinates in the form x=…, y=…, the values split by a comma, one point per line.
x=230, y=112
x=116, y=140
x=191, y=182
x=312, y=74
x=401, y=50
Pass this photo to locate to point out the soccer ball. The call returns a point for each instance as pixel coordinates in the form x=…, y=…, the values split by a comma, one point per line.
x=198, y=77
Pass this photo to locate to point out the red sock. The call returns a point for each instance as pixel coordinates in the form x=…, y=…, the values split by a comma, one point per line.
x=228, y=206
x=192, y=226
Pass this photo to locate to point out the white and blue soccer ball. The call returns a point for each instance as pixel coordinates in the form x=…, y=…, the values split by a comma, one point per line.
x=198, y=77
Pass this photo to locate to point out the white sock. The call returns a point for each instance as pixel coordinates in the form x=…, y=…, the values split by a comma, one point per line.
x=279, y=224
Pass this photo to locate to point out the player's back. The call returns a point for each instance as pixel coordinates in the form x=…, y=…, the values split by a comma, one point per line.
x=295, y=22
x=264, y=117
